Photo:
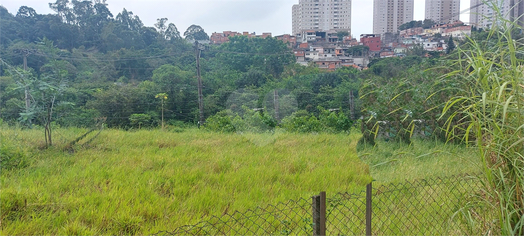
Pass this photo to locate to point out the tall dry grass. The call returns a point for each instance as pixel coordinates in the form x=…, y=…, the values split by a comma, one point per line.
x=490, y=106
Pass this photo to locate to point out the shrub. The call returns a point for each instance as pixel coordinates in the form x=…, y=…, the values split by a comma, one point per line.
x=140, y=120
x=334, y=122
x=220, y=122
x=301, y=122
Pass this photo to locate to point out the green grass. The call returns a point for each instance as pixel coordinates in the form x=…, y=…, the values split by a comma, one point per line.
x=398, y=162
x=142, y=182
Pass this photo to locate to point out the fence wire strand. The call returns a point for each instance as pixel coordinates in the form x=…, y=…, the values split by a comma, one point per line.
x=422, y=207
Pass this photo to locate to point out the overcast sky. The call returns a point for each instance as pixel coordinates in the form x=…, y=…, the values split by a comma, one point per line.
x=257, y=16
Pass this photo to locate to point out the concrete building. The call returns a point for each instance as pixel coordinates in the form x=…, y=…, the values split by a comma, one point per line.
x=321, y=15
x=372, y=41
x=482, y=15
x=443, y=11
x=388, y=15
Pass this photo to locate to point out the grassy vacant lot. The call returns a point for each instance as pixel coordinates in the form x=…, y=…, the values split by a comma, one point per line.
x=141, y=182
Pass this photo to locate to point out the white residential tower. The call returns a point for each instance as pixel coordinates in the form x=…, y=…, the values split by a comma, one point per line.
x=388, y=15
x=322, y=15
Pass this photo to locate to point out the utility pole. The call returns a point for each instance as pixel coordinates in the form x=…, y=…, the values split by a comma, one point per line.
x=351, y=105
x=198, y=51
x=277, y=105
x=26, y=52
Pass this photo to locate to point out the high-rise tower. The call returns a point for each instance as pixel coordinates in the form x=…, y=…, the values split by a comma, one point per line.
x=388, y=15
x=322, y=15
x=443, y=11
x=483, y=15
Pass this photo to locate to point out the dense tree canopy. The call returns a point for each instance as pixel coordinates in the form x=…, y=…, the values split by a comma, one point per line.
x=114, y=65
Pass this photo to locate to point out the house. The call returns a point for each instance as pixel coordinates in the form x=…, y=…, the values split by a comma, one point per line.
x=220, y=38
x=458, y=32
x=373, y=41
x=330, y=64
x=288, y=39
x=411, y=32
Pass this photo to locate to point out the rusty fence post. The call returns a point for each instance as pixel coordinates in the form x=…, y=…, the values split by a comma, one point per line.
x=319, y=214
x=369, y=203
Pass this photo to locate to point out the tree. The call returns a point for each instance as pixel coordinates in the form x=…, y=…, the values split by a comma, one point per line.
x=172, y=32
x=63, y=9
x=428, y=23
x=195, y=32
x=341, y=35
x=129, y=20
x=451, y=45
x=26, y=12
x=168, y=32
x=139, y=119
x=161, y=26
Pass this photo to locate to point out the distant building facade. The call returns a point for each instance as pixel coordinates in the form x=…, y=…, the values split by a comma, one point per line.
x=443, y=11
x=482, y=15
x=321, y=15
x=373, y=41
x=220, y=38
x=388, y=15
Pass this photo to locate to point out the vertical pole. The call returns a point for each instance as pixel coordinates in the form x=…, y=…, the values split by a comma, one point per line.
x=27, y=104
x=322, y=213
x=369, y=202
x=351, y=105
x=200, y=96
x=277, y=105
x=162, y=113
x=316, y=215
x=319, y=214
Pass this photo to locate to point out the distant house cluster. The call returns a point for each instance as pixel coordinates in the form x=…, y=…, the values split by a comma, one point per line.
x=322, y=30
x=220, y=38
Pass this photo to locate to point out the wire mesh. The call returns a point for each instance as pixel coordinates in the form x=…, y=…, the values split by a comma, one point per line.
x=422, y=207
x=289, y=218
x=346, y=214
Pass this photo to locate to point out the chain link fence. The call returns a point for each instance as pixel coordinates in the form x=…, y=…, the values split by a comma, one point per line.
x=422, y=207
x=289, y=218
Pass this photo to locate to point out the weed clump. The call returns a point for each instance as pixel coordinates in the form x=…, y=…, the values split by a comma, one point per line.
x=12, y=158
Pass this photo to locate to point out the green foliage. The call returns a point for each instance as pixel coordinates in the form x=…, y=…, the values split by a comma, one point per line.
x=12, y=158
x=426, y=24
x=451, y=45
x=301, y=122
x=196, y=32
x=342, y=34
x=220, y=122
x=139, y=120
x=486, y=111
x=334, y=121
x=115, y=65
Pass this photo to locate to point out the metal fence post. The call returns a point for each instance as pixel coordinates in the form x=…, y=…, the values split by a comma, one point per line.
x=369, y=201
x=319, y=214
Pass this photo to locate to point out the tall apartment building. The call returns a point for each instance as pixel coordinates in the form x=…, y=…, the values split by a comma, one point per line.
x=322, y=15
x=443, y=11
x=482, y=14
x=388, y=15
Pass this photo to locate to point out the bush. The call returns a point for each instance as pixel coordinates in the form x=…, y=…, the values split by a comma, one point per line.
x=140, y=120
x=301, y=122
x=220, y=122
x=334, y=122
x=253, y=121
